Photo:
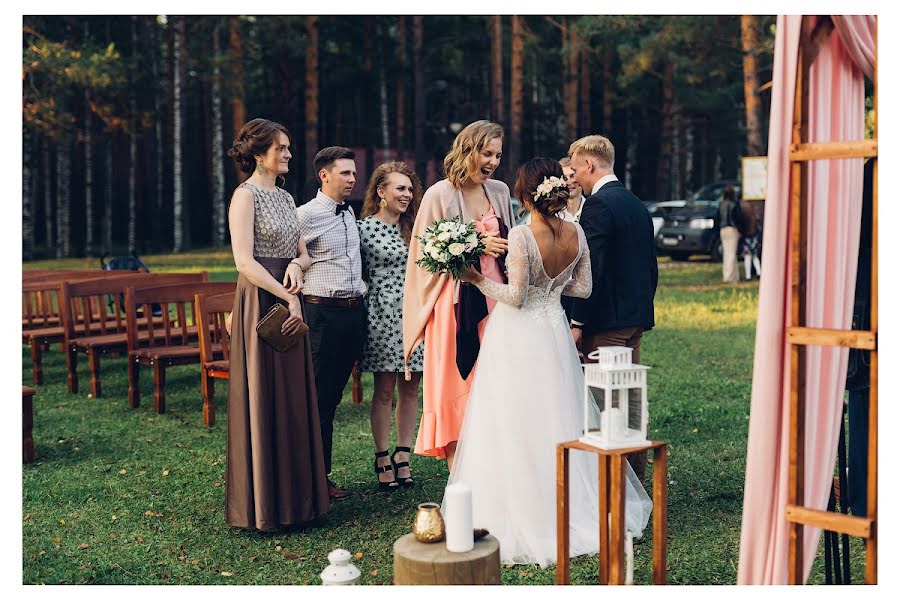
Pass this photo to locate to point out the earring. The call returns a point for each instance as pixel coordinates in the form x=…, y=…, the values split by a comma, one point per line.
x=260, y=168
x=383, y=203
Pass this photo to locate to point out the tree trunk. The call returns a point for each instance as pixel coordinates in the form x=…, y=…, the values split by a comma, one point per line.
x=677, y=167
x=515, y=93
x=663, y=169
x=132, y=151
x=608, y=87
x=497, y=69
x=585, y=91
x=570, y=84
x=752, y=104
x=218, y=158
x=155, y=49
x=311, y=127
x=63, y=175
x=108, y=184
x=401, y=87
x=27, y=196
x=383, y=97
x=178, y=239
x=238, y=109
x=47, y=192
x=419, y=97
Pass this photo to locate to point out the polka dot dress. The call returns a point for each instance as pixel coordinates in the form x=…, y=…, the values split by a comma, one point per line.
x=384, y=256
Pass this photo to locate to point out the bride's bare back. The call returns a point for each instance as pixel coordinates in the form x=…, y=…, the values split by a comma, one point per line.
x=559, y=252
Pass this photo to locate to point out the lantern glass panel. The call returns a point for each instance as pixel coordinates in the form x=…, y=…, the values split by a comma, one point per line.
x=634, y=408
x=598, y=397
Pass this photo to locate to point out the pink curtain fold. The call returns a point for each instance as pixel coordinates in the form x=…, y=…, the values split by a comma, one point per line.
x=858, y=36
x=836, y=112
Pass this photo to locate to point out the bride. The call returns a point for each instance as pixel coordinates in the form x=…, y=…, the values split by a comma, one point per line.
x=528, y=390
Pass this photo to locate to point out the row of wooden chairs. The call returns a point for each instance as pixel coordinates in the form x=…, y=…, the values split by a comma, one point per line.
x=155, y=319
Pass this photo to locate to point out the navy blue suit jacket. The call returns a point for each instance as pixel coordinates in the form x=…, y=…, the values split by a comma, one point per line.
x=619, y=234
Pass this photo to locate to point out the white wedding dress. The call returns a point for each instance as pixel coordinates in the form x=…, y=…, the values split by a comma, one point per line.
x=527, y=397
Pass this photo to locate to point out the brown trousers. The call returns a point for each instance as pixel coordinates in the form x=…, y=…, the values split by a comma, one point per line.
x=630, y=337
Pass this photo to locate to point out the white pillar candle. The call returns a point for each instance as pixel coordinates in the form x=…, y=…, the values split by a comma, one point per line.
x=458, y=517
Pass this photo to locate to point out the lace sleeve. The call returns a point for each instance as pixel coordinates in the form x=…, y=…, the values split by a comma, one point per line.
x=517, y=268
x=582, y=282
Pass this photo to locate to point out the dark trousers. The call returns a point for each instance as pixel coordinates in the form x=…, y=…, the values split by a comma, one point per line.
x=336, y=336
x=630, y=337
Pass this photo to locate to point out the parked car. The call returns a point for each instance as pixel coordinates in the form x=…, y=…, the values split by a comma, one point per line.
x=660, y=211
x=694, y=228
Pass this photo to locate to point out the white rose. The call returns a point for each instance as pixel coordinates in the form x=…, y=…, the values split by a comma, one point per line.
x=435, y=254
x=429, y=248
x=472, y=239
x=444, y=236
x=445, y=226
x=462, y=229
x=456, y=249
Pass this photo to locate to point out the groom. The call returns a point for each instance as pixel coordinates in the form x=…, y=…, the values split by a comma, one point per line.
x=619, y=234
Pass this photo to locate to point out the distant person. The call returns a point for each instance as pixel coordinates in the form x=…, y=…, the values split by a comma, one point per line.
x=619, y=233
x=334, y=287
x=274, y=461
x=730, y=222
x=751, y=241
x=385, y=230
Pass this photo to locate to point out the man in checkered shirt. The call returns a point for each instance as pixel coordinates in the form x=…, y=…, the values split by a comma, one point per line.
x=333, y=287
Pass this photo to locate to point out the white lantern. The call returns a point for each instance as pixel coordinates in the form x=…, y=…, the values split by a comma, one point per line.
x=341, y=571
x=617, y=389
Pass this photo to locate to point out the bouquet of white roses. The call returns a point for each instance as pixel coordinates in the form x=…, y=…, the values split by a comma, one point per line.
x=450, y=246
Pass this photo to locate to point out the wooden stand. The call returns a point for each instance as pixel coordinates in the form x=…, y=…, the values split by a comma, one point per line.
x=416, y=563
x=27, y=423
x=611, y=479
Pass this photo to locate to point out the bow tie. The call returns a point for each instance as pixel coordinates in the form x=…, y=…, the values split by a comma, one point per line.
x=340, y=207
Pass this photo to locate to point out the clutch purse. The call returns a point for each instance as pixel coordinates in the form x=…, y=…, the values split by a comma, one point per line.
x=269, y=329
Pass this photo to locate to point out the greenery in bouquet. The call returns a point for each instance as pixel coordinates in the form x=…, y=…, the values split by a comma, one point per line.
x=449, y=246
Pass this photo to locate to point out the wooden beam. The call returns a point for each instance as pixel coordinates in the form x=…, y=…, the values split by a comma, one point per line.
x=808, y=336
x=828, y=150
x=831, y=521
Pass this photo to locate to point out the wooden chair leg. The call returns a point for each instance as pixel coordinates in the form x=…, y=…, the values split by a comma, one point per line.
x=159, y=387
x=37, y=371
x=134, y=376
x=72, y=369
x=94, y=364
x=208, y=387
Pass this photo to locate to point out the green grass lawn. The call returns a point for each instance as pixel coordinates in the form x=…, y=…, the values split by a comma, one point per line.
x=125, y=496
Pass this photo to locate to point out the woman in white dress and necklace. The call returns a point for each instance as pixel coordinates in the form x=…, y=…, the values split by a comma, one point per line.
x=528, y=391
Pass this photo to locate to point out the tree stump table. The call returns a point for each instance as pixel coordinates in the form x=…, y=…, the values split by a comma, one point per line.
x=27, y=423
x=416, y=563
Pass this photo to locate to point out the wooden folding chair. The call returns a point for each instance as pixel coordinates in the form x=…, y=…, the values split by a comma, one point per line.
x=213, y=310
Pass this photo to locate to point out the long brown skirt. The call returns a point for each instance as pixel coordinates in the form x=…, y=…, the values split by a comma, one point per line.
x=274, y=463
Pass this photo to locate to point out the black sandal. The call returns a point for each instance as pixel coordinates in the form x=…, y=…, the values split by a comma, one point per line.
x=385, y=486
x=406, y=481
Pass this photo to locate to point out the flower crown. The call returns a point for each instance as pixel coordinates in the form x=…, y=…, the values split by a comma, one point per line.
x=548, y=186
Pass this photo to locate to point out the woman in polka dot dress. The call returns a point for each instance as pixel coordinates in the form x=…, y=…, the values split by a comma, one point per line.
x=389, y=211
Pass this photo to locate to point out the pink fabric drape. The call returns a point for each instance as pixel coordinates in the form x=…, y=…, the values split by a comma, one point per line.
x=835, y=199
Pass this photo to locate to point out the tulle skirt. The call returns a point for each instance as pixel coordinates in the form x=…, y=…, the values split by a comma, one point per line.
x=526, y=398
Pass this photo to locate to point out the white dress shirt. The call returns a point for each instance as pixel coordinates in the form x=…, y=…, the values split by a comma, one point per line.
x=603, y=181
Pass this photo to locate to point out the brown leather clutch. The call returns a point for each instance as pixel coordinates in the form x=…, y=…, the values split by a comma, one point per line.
x=269, y=329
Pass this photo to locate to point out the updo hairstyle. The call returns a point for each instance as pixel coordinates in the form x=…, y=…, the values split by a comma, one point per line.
x=255, y=137
x=532, y=174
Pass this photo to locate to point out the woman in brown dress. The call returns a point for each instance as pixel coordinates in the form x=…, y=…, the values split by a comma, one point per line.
x=274, y=464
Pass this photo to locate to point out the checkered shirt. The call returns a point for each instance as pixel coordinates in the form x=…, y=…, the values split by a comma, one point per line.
x=333, y=245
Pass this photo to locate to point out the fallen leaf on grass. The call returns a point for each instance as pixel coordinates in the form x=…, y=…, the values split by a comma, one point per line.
x=278, y=548
x=166, y=473
x=62, y=521
x=194, y=561
x=26, y=516
x=290, y=555
x=84, y=546
x=252, y=558
x=226, y=573
x=42, y=553
x=358, y=555
x=122, y=471
x=694, y=430
x=373, y=572
x=139, y=540
x=217, y=484
x=57, y=539
x=114, y=517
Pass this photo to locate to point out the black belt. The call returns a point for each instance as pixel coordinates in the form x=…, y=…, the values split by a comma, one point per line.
x=338, y=302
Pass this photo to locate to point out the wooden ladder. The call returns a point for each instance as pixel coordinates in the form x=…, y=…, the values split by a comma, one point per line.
x=799, y=336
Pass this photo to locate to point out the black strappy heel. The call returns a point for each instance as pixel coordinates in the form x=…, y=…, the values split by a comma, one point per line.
x=406, y=481
x=385, y=486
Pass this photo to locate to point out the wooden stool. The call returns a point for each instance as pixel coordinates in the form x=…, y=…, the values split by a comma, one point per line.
x=416, y=563
x=611, y=479
x=27, y=423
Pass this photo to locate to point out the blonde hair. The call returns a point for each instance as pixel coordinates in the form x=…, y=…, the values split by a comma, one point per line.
x=565, y=161
x=462, y=160
x=595, y=146
x=379, y=178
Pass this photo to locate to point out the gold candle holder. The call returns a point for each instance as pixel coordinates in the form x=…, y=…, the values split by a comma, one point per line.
x=428, y=526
